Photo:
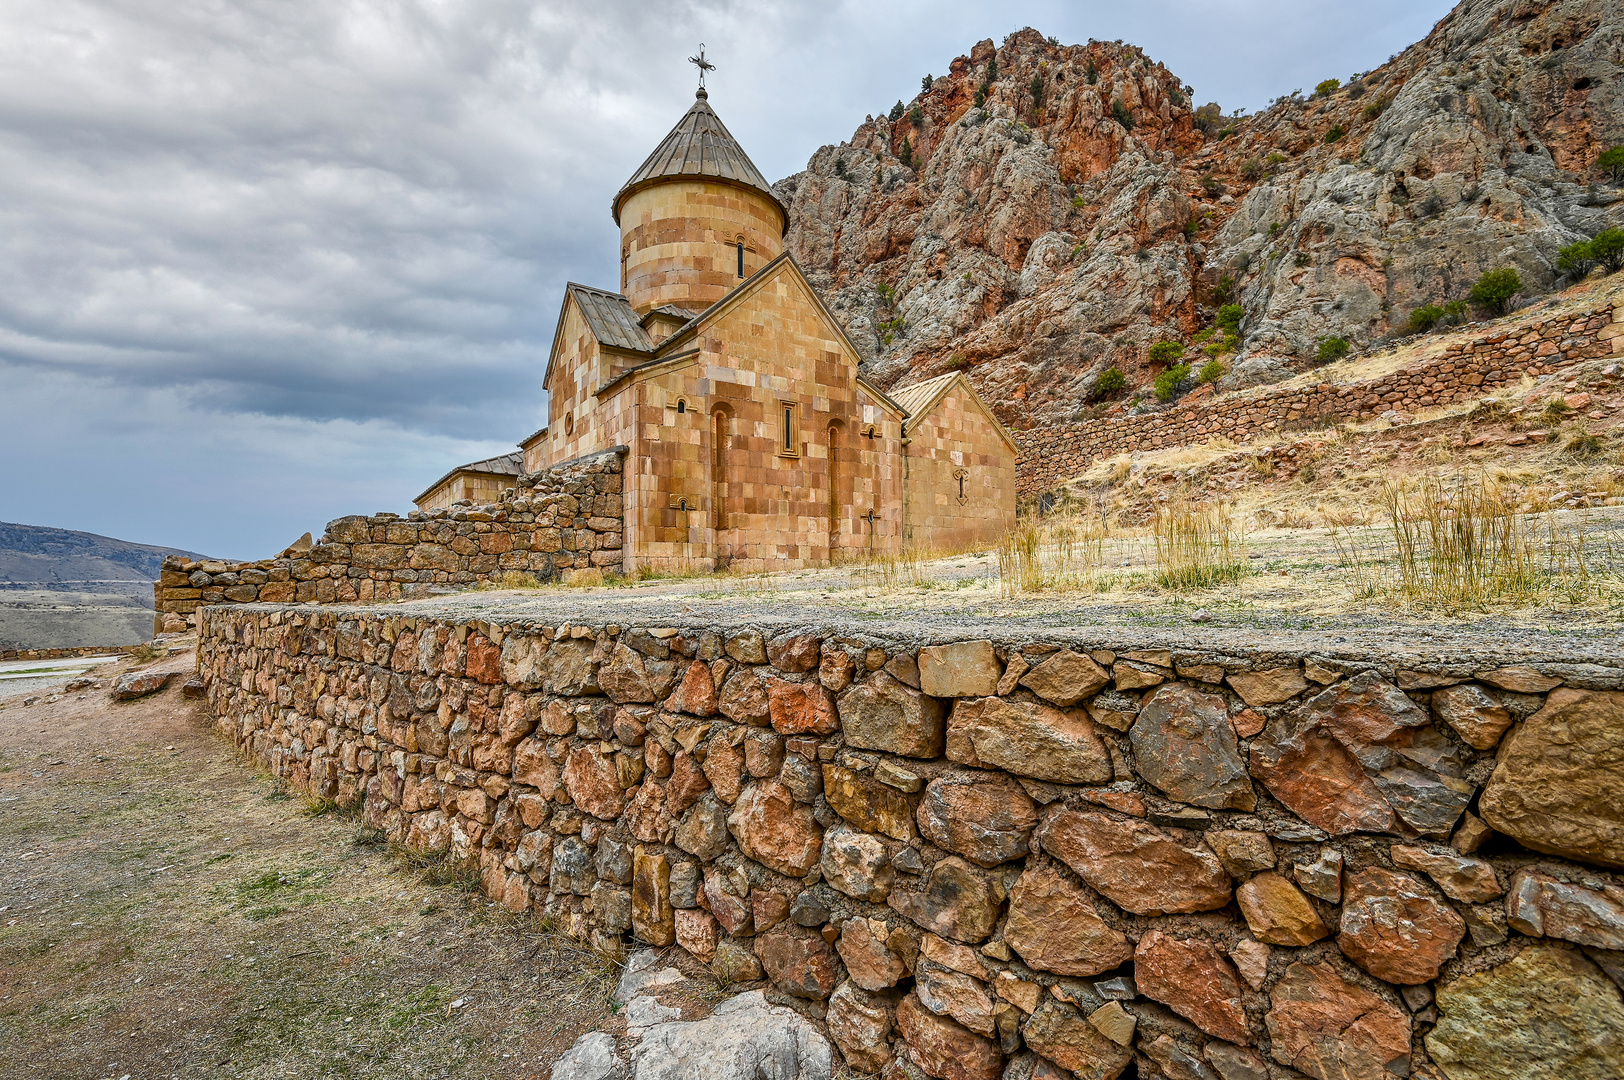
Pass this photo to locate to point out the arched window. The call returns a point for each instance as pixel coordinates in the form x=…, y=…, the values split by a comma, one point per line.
x=741, y=258
x=682, y=406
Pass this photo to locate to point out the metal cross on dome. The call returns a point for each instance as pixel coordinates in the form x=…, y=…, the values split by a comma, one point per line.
x=702, y=64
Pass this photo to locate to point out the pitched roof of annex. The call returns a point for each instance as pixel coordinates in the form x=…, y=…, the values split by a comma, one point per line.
x=511, y=464
x=700, y=146
x=613, y=320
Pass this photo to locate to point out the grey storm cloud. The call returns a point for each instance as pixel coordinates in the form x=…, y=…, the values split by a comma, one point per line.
x=282, y=260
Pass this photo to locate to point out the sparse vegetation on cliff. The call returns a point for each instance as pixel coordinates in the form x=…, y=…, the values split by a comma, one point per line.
x=1167, y=383
x=1611, y=162
x=1331, y=349
x=1109, y=381
x=1495, y=289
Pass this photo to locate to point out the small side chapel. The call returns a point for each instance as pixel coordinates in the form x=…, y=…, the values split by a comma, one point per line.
x=751, y=439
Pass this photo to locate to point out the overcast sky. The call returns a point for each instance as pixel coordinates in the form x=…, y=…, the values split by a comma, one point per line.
x=266, y=262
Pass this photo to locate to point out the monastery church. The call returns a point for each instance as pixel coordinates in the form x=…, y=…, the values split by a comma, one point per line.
x=750, y=439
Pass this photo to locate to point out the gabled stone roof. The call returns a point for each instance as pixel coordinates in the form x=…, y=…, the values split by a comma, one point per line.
x=613, y=320
x=699, y=146
x=917, y=397
x=502, y=465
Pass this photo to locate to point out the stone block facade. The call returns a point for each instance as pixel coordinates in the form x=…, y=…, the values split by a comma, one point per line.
x=959, y=854
x=563, y=518
x=1053, y=455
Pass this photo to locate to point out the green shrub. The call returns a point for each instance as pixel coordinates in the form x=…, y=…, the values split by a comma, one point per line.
x=1328, y=87
x=1165, y=352
x=926, y=84
x=1607, y=248
x=1611, y=162
x=1229, y=318
x=1109, y=381
x=1120, y=113
x=992, y=69
x=1212, y=185
x=1037, y=91
x=1302, y=259
x=1093, y=73
x=981, y=96
x=1251, y=169
x=1077, y=202
x=1425, y=317
x=1167, y=383
x=840, y=167
x=1274, y=228
x=1210, y=372
x=896, y=112
x=1576, y=260
x=1375, y=108
x=1455, y=310
x=1274, y=159
x=1331, y=350
x=1335, y=132
x=1495, y=289
x=1221, y=292
x=916, y=115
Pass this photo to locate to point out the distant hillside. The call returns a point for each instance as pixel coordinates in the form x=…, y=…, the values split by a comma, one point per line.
x=37, y=553
x=60, y=588
x=1043, y=213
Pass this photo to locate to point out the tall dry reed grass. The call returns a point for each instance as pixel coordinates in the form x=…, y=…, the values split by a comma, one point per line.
x=1063, y=552
x=1198, y=546
x=1466, y=544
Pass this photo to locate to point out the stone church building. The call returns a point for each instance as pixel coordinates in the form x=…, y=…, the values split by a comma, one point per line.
x=750, y=438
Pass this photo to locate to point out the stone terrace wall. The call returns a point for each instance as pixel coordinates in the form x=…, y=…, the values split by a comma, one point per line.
x=565, y=517
x=1053, y=455
x=1203, y=865
x=64, y=653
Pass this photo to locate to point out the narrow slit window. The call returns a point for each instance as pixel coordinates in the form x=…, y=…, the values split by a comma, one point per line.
x=789, y=434
x=741, y=258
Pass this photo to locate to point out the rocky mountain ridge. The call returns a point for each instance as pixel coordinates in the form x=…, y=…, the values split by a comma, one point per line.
x=1044, y=212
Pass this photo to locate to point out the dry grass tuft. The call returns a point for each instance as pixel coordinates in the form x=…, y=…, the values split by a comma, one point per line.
x=1198, y=546
x=1470, y=544
x=1060, y=553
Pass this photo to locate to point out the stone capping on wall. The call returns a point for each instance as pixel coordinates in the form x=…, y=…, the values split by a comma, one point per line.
x=956, y=853
x=567, y=516
x=1053, y=455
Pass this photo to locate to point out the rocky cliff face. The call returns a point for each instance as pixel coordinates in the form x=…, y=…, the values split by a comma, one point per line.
x=1044, y=212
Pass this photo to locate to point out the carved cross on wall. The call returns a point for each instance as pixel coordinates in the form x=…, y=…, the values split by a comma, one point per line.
x=961, y=475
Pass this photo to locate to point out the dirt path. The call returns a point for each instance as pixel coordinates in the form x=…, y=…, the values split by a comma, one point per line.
x=167, y=911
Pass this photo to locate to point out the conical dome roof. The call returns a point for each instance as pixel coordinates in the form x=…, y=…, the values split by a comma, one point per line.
x=699, y=146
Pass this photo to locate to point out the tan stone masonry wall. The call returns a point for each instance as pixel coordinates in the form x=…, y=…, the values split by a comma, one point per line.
x=566, y=517
x=1053, y=455
x=1195, y=862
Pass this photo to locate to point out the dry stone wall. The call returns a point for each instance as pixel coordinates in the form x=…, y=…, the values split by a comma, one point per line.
x=1023, y=858
x=1053, y=455
x=63, y=653
x=567, y=517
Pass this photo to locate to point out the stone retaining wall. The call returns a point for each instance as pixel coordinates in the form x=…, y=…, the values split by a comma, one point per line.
x=1054, y=455
x=565, y=517
x=64, y=653
x=1198, y=864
